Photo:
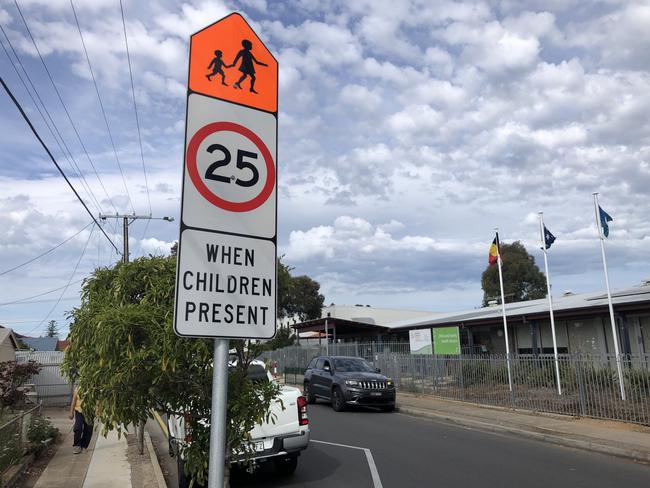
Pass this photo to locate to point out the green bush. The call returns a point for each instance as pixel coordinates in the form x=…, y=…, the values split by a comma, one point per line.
x=411, y=387
x=638, y=380
x=10, y=450
x=41, y=429
x=484, y=373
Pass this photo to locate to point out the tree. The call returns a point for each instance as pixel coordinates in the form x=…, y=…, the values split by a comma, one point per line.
x=127, y=360
x=298, y=295
x=12, y=377
x=305, y=301
x=284, y=288
x=522, y=279
x=52, y=329
x=282, y=338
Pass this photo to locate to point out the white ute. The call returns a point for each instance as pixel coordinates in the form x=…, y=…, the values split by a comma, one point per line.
x=280, y=440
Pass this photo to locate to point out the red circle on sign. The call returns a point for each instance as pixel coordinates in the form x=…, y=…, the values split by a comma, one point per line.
x=192, y=168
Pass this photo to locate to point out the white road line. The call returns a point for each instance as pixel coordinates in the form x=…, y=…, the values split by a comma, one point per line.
x=371, y=462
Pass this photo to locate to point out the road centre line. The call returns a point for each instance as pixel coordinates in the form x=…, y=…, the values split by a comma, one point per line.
x=371, y=462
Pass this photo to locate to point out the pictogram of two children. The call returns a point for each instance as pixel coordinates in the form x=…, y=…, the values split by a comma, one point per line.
x=247, y=66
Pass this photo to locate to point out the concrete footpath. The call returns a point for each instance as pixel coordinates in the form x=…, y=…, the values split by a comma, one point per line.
x=109, y=462
x=615, y=438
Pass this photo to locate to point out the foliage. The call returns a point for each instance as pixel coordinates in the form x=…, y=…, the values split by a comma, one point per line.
x=482, y=372
x=127, y=360
x=52, y=329
x=411, y=386
x=298, y=296
x=12, y=377
x=522, y=279
x=305, y=301
x=283, y=338
x=40, y=430
x=10, y=448
x=283, y=286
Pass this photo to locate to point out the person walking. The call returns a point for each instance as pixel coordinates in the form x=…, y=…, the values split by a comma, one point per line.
x=247, y=66
x=83, y=430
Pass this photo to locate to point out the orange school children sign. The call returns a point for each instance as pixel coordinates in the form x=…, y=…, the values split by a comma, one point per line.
x=228, y=61
x=226, y=273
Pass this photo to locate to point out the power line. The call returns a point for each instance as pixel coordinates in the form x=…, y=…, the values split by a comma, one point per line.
x=26, y=321
x=74, y=271
x=46, y=252
x=42, y=301
x=49, y=153
x=135, y=107
x=101, y=104
x=21, y=300
x=68, y=155
x=65, y=109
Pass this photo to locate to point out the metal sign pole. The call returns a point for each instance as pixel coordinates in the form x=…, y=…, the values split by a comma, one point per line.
x=216, y=463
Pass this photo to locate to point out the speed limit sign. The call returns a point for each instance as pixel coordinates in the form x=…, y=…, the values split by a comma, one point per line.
x=230, y=174
x=226, y=272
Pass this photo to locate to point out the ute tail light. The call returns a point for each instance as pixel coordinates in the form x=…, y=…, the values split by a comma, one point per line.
x=188, y=431
x=302, y=411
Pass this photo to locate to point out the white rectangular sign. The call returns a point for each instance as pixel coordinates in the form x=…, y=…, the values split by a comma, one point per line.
x=420, y=341
x=225, y=286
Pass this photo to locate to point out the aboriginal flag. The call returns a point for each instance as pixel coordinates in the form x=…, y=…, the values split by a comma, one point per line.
x=494, y=251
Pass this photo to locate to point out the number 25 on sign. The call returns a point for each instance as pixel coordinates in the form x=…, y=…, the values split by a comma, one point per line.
x=216, y=180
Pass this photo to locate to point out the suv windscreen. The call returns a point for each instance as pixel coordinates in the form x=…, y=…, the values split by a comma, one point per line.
x=351, y=365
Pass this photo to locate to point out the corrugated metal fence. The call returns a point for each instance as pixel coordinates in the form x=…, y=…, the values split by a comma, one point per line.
x=52, y=387
x=589, y=383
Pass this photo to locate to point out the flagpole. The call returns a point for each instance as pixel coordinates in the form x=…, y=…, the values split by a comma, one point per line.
x=609, y=298
x=503, y=310
x=550, y=302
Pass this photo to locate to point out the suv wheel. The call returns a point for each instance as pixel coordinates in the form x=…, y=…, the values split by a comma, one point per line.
x=338, y=404
x=308, y=393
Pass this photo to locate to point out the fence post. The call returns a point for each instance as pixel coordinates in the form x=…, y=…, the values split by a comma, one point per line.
x=581, y=387
x=513, y=401
x=462, y=381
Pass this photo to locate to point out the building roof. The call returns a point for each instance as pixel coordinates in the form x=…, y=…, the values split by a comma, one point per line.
x=370, y=315
x=8, y=333
x=41, y=343
x=567, y=304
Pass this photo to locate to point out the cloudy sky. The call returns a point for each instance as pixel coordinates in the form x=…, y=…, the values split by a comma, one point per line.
x=408, y=130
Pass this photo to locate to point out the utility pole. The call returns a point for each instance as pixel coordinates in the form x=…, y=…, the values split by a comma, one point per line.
x=126, y=221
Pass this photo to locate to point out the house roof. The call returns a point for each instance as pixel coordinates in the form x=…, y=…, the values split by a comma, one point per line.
x=627, y=298
x=8, y=333
x=41, y=343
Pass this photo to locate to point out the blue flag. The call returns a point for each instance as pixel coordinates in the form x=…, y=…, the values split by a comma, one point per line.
x=604, y=218
x=549, y=238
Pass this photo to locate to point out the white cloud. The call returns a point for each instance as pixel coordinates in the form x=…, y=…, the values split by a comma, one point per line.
x=360, y=97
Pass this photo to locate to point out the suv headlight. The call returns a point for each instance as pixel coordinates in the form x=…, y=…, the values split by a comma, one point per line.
x=390, y=383
x=352, y=382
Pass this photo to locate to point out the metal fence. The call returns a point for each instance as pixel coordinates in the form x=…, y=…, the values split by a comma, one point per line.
x=13, y=436
x=589, y=383
x=52, y=387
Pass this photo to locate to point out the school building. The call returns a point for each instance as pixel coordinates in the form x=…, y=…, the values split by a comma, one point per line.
x=582, y=324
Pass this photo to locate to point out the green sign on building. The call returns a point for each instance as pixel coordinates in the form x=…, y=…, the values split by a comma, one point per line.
x=446, y=340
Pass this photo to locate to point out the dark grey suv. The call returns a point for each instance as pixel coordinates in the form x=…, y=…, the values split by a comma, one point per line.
x=345, y=380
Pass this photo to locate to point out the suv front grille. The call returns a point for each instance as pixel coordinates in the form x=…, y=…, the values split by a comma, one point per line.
x=373, y=385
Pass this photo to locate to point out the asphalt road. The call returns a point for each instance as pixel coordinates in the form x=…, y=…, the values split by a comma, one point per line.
x=414, y=452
